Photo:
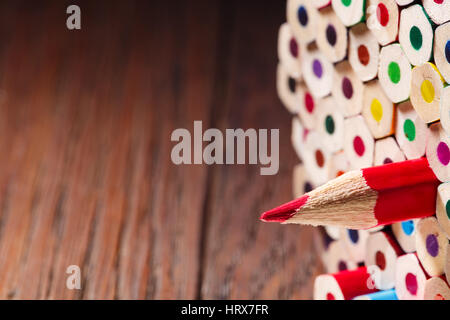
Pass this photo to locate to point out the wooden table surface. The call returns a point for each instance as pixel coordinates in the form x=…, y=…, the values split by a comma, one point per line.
x=85, y=173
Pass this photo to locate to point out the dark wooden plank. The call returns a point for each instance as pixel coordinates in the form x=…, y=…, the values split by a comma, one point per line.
x=87, y=179
x=178, y=201
x=85, y=174
x=245, y=258
x=26, y=137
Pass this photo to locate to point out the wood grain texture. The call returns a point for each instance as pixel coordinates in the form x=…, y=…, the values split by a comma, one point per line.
x=85, y=172
x=244, y=259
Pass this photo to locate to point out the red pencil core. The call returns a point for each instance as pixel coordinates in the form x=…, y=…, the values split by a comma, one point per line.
x=380, y=260
x=284, y=212
x=411, y=283
x=382, y=14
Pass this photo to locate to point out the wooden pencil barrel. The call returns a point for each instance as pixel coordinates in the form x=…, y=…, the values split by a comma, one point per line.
x=411, y=131
x=286, y=89
x=410, y=278
x=404, y=233
x=289, y=51
x=416, y=34
x=317, y=72
x=331, y=35
x=443, y=208
x=355, y=242
x=338, y=164
x=338, y=258
x=438, y=152
x=350, y=12
x=387, y=151
x=438, y=11
x=377, y=110
x=358, y=142
x=308, y=108
x=431, y=245
x=383, y=20
x=444, y=109
x=363, y=52
x=394, y=73
x=316, y=159
x=426, y=90
x=436, y=288
x=330, y=125
x=347, y=89
x=382, y=251
x=302, y=16
x=442, y=50
x=298, y=137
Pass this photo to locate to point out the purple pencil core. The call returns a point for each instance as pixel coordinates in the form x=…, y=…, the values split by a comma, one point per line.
x=432, y=245
x=317, y=68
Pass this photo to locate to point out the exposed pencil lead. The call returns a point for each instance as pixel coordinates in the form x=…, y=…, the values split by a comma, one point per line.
x=285, y=211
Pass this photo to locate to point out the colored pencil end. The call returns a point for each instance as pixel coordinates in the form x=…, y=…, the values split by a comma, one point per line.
x=284, y=212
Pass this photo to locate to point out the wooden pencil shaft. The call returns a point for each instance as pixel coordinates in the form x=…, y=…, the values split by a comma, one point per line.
x=426, y=89
x=432, y=245
x=416, y=34
x=410, y=278
x=411, y=131
x=441, y=50
x=436, y=288
x=289, y=51
x=405, y=235
x=443, y=208
x=382, y=251
x=366, y=198
x=383, y=20
x=363, y=52
x=438, y=11
x=437, y=152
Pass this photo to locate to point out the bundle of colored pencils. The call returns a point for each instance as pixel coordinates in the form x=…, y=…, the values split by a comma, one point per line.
x=366, y=83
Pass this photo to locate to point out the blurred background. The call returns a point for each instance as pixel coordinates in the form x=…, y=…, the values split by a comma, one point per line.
x=85, y=172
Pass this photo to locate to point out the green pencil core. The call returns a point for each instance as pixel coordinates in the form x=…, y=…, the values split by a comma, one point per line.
x=415, y=37
x=346, y=2
x=394, y=72
x=409, y=129
x=329, y=124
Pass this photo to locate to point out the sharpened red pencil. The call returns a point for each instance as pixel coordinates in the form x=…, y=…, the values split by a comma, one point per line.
x=366, y=198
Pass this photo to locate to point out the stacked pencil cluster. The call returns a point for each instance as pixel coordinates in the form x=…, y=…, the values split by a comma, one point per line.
x=366, y=82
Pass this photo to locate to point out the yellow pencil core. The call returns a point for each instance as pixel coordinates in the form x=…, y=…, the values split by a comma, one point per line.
x=376, y=109
x=427, y=91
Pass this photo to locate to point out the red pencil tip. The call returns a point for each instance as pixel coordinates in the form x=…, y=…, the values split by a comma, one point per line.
x=285, y=211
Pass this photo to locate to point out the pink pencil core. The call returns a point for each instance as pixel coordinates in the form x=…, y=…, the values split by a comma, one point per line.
x=285, y=211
